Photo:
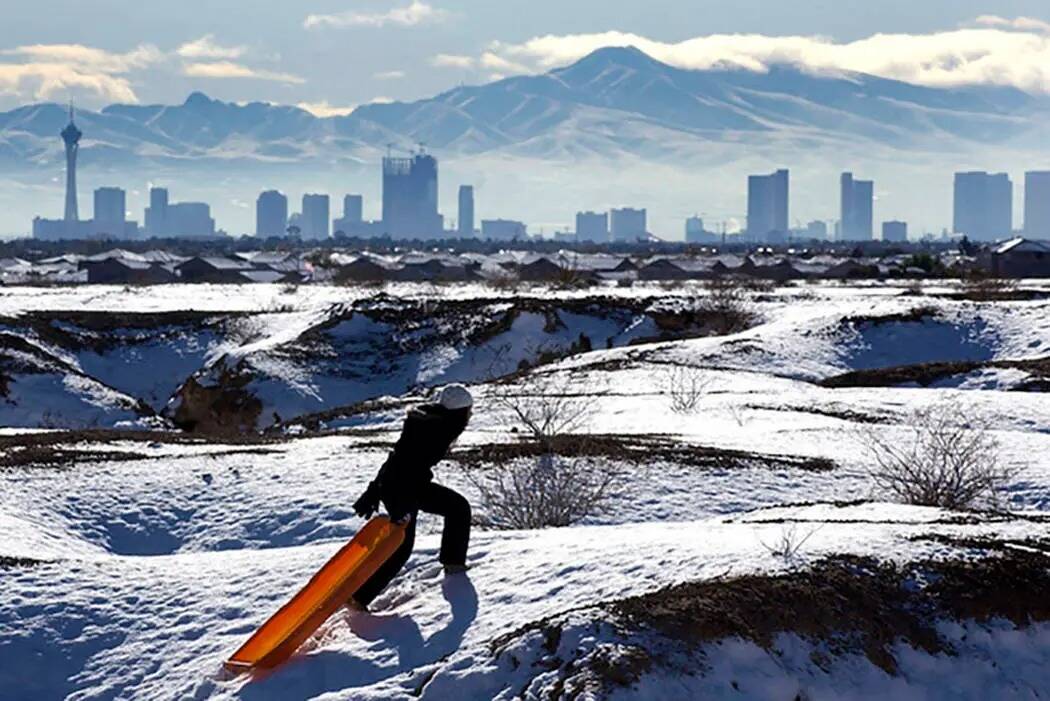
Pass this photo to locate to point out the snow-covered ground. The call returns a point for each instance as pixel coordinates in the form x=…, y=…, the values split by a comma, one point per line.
x=134, y=565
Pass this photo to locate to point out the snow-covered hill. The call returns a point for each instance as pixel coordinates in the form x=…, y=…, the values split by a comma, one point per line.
x=134, y=562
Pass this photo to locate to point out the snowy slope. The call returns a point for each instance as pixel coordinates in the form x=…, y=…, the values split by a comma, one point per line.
x=134, y=563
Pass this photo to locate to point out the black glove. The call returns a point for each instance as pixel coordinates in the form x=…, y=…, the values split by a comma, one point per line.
x=368, y=503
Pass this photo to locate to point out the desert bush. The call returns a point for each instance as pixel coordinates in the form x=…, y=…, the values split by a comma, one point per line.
x=789, y=542
x=546, y=492
x=551, y=490
x=547, y=409
x=980, y=288
x=727, y=304
x=686, y=387
x=950, y=461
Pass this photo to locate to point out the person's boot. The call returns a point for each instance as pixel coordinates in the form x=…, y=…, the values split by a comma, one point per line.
x=356, y=606
x=456, y=569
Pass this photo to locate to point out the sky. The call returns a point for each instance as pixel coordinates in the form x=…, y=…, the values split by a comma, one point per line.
x=329, y=56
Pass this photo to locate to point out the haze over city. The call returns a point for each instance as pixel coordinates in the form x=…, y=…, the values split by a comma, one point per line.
x=577, y=151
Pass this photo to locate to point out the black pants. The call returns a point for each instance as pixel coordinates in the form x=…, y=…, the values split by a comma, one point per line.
x=434, y=499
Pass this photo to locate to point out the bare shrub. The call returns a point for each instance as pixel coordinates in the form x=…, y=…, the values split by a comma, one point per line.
x=788, y=544
x=686, y=387
x=728, y=305
x=979, y=288
x=543, y=493
x=547, y=409
x=552, y=490
x=950, y=461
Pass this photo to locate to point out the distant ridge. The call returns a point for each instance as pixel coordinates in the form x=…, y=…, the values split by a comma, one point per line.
x=614, y=100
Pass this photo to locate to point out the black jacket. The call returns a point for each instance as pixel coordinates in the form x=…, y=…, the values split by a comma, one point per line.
x=428, y=433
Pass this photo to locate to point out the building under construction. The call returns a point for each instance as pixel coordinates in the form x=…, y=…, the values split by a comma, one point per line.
x=410, y=197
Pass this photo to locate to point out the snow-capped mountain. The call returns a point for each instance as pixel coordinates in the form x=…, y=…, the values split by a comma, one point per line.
x=614, y=100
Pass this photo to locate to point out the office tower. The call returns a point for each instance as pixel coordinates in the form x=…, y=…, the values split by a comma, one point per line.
x=353, y=209
x=817, y=230
x=271, y=214
x=157, y=212
x=410, y=197
x=983, y=205
x=177, y=219
x=592, y=226
x=857, y=197
x=694, y=230
x=894, y=231
x=466, y=211
x=627, y=224
x=1037, y=204
x=352, y=221
x=503, y=230
x=71, y=138
x=190, y=220
x=110, y=210
x=767, y=205
x=315, y=216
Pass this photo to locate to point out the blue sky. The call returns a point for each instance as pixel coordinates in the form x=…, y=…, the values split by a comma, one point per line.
x=331, y=55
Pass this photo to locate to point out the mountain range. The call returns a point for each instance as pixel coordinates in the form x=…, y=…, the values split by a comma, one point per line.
x=616, y=125
x=603, y=104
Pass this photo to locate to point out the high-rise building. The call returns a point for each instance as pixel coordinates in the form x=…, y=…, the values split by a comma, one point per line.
x=157, y=213
x=354, y=209
x=694, y=230
x=592, y=226
x=352, y=221
x=466, y=211
x=1037, y=204
x=894, y=231
x=410, y=197
x=857, y=198
x=503, y=230
x=315, y=216
x=71, y=137
x=271, y=214
x=110, y=210
x=818, y=230
x=627, y=224
x=177, y=219
x=983, y=205
x=767, y=206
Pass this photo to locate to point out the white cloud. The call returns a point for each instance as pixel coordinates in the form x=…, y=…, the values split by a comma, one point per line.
x=1018, y=55
x=494, y=62
x=1027, y=24
x=415, y=13
x=324, y=109
x=45, y=71
x=229, y=69
x=452, y=61
x=205, y=47
x=389, y=75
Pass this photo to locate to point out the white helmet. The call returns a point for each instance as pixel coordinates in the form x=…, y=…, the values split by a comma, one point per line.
x=455, y=397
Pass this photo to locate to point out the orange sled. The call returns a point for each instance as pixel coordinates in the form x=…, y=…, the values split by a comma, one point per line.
x=322, y=596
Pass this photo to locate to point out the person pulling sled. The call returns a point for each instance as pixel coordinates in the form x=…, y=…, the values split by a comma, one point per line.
x=405, y=485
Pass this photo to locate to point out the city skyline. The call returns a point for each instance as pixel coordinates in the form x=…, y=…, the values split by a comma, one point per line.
x=410, y=200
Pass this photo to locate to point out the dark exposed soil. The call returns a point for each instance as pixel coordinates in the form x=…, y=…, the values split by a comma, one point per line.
x=639, y=449
x=845, y=604
x=55, y=448
x=852, y=603
x=219, y=409
x=914, y=315
x=925, y=374
x=10, y=563
x=101, y=331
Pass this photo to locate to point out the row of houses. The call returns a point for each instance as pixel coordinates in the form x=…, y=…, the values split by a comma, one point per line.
x=120, y=267
x=1015, y=258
